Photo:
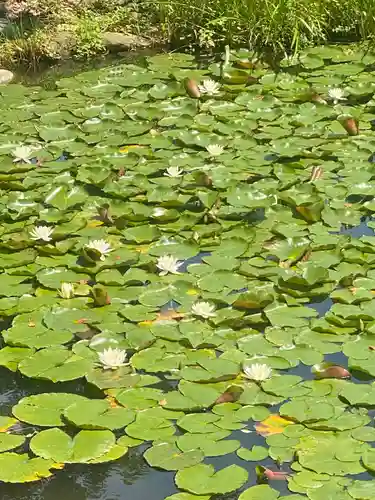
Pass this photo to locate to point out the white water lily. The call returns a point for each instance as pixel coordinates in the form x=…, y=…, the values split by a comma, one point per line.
x=174, y=172
x=203, y=309
x=101, y=246
x=66, y=291
x=257, y=371
x=168, y=264
x=41, y=233
x=158, y=212
x=215, y=149
x=22, y=154
x=336, y=94
x=209, y=87
x=111, y=359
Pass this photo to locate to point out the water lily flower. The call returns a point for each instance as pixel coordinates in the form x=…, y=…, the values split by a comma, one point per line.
x=41, y=233
x=209, y=87
x=203, y=309
x=66, y=291
x=22, y=154
x=168, y=264
x=336, y=94
x=257, y=371
x=111, y=359
x=158, y=212
x=100, y=246
x=174, y=172
x=215, y=149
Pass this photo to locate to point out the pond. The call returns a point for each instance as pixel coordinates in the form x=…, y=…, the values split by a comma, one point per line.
x=188, y=280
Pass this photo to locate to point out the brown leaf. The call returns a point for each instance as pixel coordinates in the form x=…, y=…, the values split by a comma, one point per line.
x=231, y=395
x=192, y=89
x=351, y=125
x=318, y=99
x=335, y=371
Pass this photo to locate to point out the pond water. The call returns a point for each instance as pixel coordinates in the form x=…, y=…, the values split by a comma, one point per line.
x=188, y=280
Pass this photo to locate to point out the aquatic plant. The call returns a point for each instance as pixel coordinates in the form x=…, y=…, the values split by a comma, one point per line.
x=100, y=246
x=112, y=359
x=203, y=309
x=168, y=264
x=257, y=371
x=230, y=299
x=67, y=290
x=209, y=87
x=41, y=233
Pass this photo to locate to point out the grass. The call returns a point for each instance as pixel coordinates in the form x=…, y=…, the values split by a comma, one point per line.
x=274, y=26
x=278, y=25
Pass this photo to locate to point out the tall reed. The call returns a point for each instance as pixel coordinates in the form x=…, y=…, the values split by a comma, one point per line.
x=280, y=25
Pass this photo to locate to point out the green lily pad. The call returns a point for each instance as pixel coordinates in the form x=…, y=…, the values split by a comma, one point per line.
x=17, y=468
x=167, y=456
x=98, y=414
x=202, y=479
x=56, y=445
x=260, y=492
x=46, y=409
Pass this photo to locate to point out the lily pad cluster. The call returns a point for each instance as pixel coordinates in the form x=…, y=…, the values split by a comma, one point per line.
x=167, y=232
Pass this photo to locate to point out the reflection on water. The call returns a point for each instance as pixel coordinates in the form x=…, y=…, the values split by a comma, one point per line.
x=127, y=478
x=321, y=307
x=357, y=231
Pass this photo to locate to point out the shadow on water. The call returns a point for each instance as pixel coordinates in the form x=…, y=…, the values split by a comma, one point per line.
x=127, y=478
x=321, y=307
x=357, y=231
x=48, y=75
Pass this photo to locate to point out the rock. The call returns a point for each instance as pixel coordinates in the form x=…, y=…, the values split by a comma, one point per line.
x=3, y=24
x=117, y=42
x=5, y=76
x=61, y=45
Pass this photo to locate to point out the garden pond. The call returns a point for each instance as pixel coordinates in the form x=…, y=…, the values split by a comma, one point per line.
x=188, y=281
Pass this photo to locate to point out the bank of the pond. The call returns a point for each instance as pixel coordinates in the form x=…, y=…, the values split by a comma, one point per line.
x=35, y=31
x=46, y=75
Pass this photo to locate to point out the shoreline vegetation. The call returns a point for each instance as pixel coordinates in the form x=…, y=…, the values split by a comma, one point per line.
x=33, y=32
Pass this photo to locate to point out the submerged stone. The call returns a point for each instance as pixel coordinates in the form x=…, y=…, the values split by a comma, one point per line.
x=116, y=42
x=6, y=76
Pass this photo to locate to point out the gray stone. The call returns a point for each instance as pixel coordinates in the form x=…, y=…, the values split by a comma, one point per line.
x=5, y=76
x=61, y=45
x=117, y=42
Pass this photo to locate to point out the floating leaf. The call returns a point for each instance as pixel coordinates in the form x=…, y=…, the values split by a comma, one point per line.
x=45, y=409
x=167, y=456
x=21, y=469
x=260, y=492
x=85, y=446
x=274, y=424
x=202, y=479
